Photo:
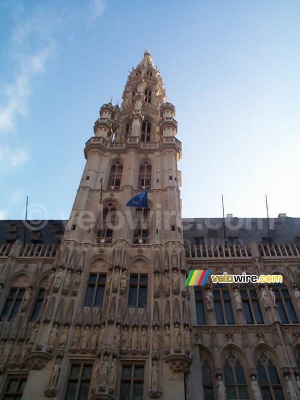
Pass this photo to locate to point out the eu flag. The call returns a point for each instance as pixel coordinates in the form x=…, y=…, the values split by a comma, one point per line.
x=139, y=200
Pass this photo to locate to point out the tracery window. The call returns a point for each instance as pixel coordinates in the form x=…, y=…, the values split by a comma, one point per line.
x=207, y=381
x=268, y=379
x=146, y=131
x=141, y=231
x=132, y=382
x=115, y=176
x=105, y=225
x=148, y=94
x=79, y=381
x=38, y=304
x=286, y=310
x=234, y=377
x=12, y=303
x=145, y=175
x=222, y=303
x=138, y=290
x=251, y=307
x=95, y=290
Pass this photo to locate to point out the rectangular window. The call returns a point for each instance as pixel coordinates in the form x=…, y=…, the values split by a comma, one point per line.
x=251, y=307
x=286, y=310
x=95, y=290
x=79, y=381
x=132, y=382
x=223, y=308
x=199, y=306
x=38, y=304
x=138, y=290
x=12, y=304
x=14, y=388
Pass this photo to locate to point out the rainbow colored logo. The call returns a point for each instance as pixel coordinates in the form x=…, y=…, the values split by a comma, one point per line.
x=197, y=277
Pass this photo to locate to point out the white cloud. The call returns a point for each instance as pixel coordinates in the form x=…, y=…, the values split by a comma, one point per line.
x=17, y=195
x=3, y=214
x=97, y=8
x=11, y=158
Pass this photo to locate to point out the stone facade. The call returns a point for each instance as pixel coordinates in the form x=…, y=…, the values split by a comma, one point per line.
x=96, y=307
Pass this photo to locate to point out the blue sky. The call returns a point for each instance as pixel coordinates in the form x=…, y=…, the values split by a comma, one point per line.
x=231, y=68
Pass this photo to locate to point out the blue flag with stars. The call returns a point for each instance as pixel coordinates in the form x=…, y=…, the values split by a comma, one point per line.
x=139, y=200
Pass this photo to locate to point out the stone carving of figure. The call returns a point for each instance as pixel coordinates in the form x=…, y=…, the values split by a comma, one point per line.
x=23, y=354
x=143, y=339
x=156, y=284
x=134, y=338
x=7, y=351
x=187, y=339
x=85, y=337
x=17, y=351
x=108, y=282
x=166, y=283
x=117, y=336
x=68, y=280
x=115, y=282
x=291, y=389
x=63, y=336
x=76, y=337
x=26, y=298
x=58, y=279
x=125, y=338
x=256, y=389
x=53, y=335
x=167, y=339
x=209, y=299
x=175, y=281
x=101, y=336
x=273, y=297
x=221, y=388
x=96, y=372
x=123, y=281
x=177, y=338
x=104, y=371
x=33, y=334
x=265, y=298
x=238, y=299
x=94, y=338
x=155, y=339
x=54, y=375
x=50, y=281
x=154, y=376
x=77, y=280
x=113, y=374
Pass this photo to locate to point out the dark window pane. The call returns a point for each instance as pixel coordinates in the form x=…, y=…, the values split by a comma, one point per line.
x=126, y=372
x=200, y=313
x=125, y=391
x=93, y=278
x=257, y=312
x=71, y=391
x=21, y=292
x=228, y=375
x=87, y=371
x=229, y=313
x=243, y=392
x=13, y=385
x=137, y=391
x=273, y=373
x=89, y=296
x=291, y=311
x=281, y=312
x=226, y=294
x=84, y=391
x=261, y=374
x=132, y=297
x=6, y=309
x=142, y=297
x=139, y=372
x=133, y=279
x=206, y=375
x=75, y=371
x=219, y=312
x=231, y=393
x=36, y=310
x=102, y=278
x=239, y=373
x=143, y=279
x=247, y=312
x=15, y=309
x=99, y=296
x=208, y=394
x=266, y=393
x=278, y=394
x=216, y=294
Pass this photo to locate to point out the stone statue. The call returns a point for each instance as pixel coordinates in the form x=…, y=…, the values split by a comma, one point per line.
x=167, y=339
x=94, y=338
x=291, y=389
x=156, y=284
x=125, y=338
x=238, y=299
x=54, y=375
x=104, y=371
x=58, y=279
x=134, y=338
x=77, y=280
x=108, y=282
x=7, y=351
x=265, y=298
x=50, y=281
x=273, y=297
x=166, y=284
x=113, y=374
x=53, y=335
x=115, y=282
x=26, y=298
x=143, y=339
x=154, y=376
x=175, y=281
x=76, y=337
x=117, y=336
x=101, y=336
x=123, y=281
x=177, y=338
x=209, y=299
x=33, y=334
x=63, y=336
x=96, y=372
x=221, y=388
x=85, y=337
x=187, y=340
x=298, y=381
x=256, y=389
x=155, y=339
x=68, y=280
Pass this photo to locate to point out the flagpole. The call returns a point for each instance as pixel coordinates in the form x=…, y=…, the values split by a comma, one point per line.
x=225, y=238
x=24, y=237
x=267, y=207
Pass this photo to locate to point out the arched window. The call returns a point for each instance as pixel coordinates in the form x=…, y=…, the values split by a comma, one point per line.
x=146, y=131
x=105, y=231
x=149, y=73
x=14, y=298
x=115, y=176
x=207, y=381
x=128, y=128
x=268, y=378
x=145, y=175
x=148, y=94
x=234, y=377
x=133, y=93
x=141, y=231
x=223, y=307
x=286, y=310
x=251, y=307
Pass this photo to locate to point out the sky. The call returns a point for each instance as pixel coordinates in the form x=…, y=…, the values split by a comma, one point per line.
x=230, y=67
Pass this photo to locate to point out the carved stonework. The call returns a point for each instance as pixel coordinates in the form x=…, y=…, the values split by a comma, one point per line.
x=179, y=363
x=37, y=360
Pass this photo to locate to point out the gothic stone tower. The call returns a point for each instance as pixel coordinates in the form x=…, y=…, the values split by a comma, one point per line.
x=116, y=321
